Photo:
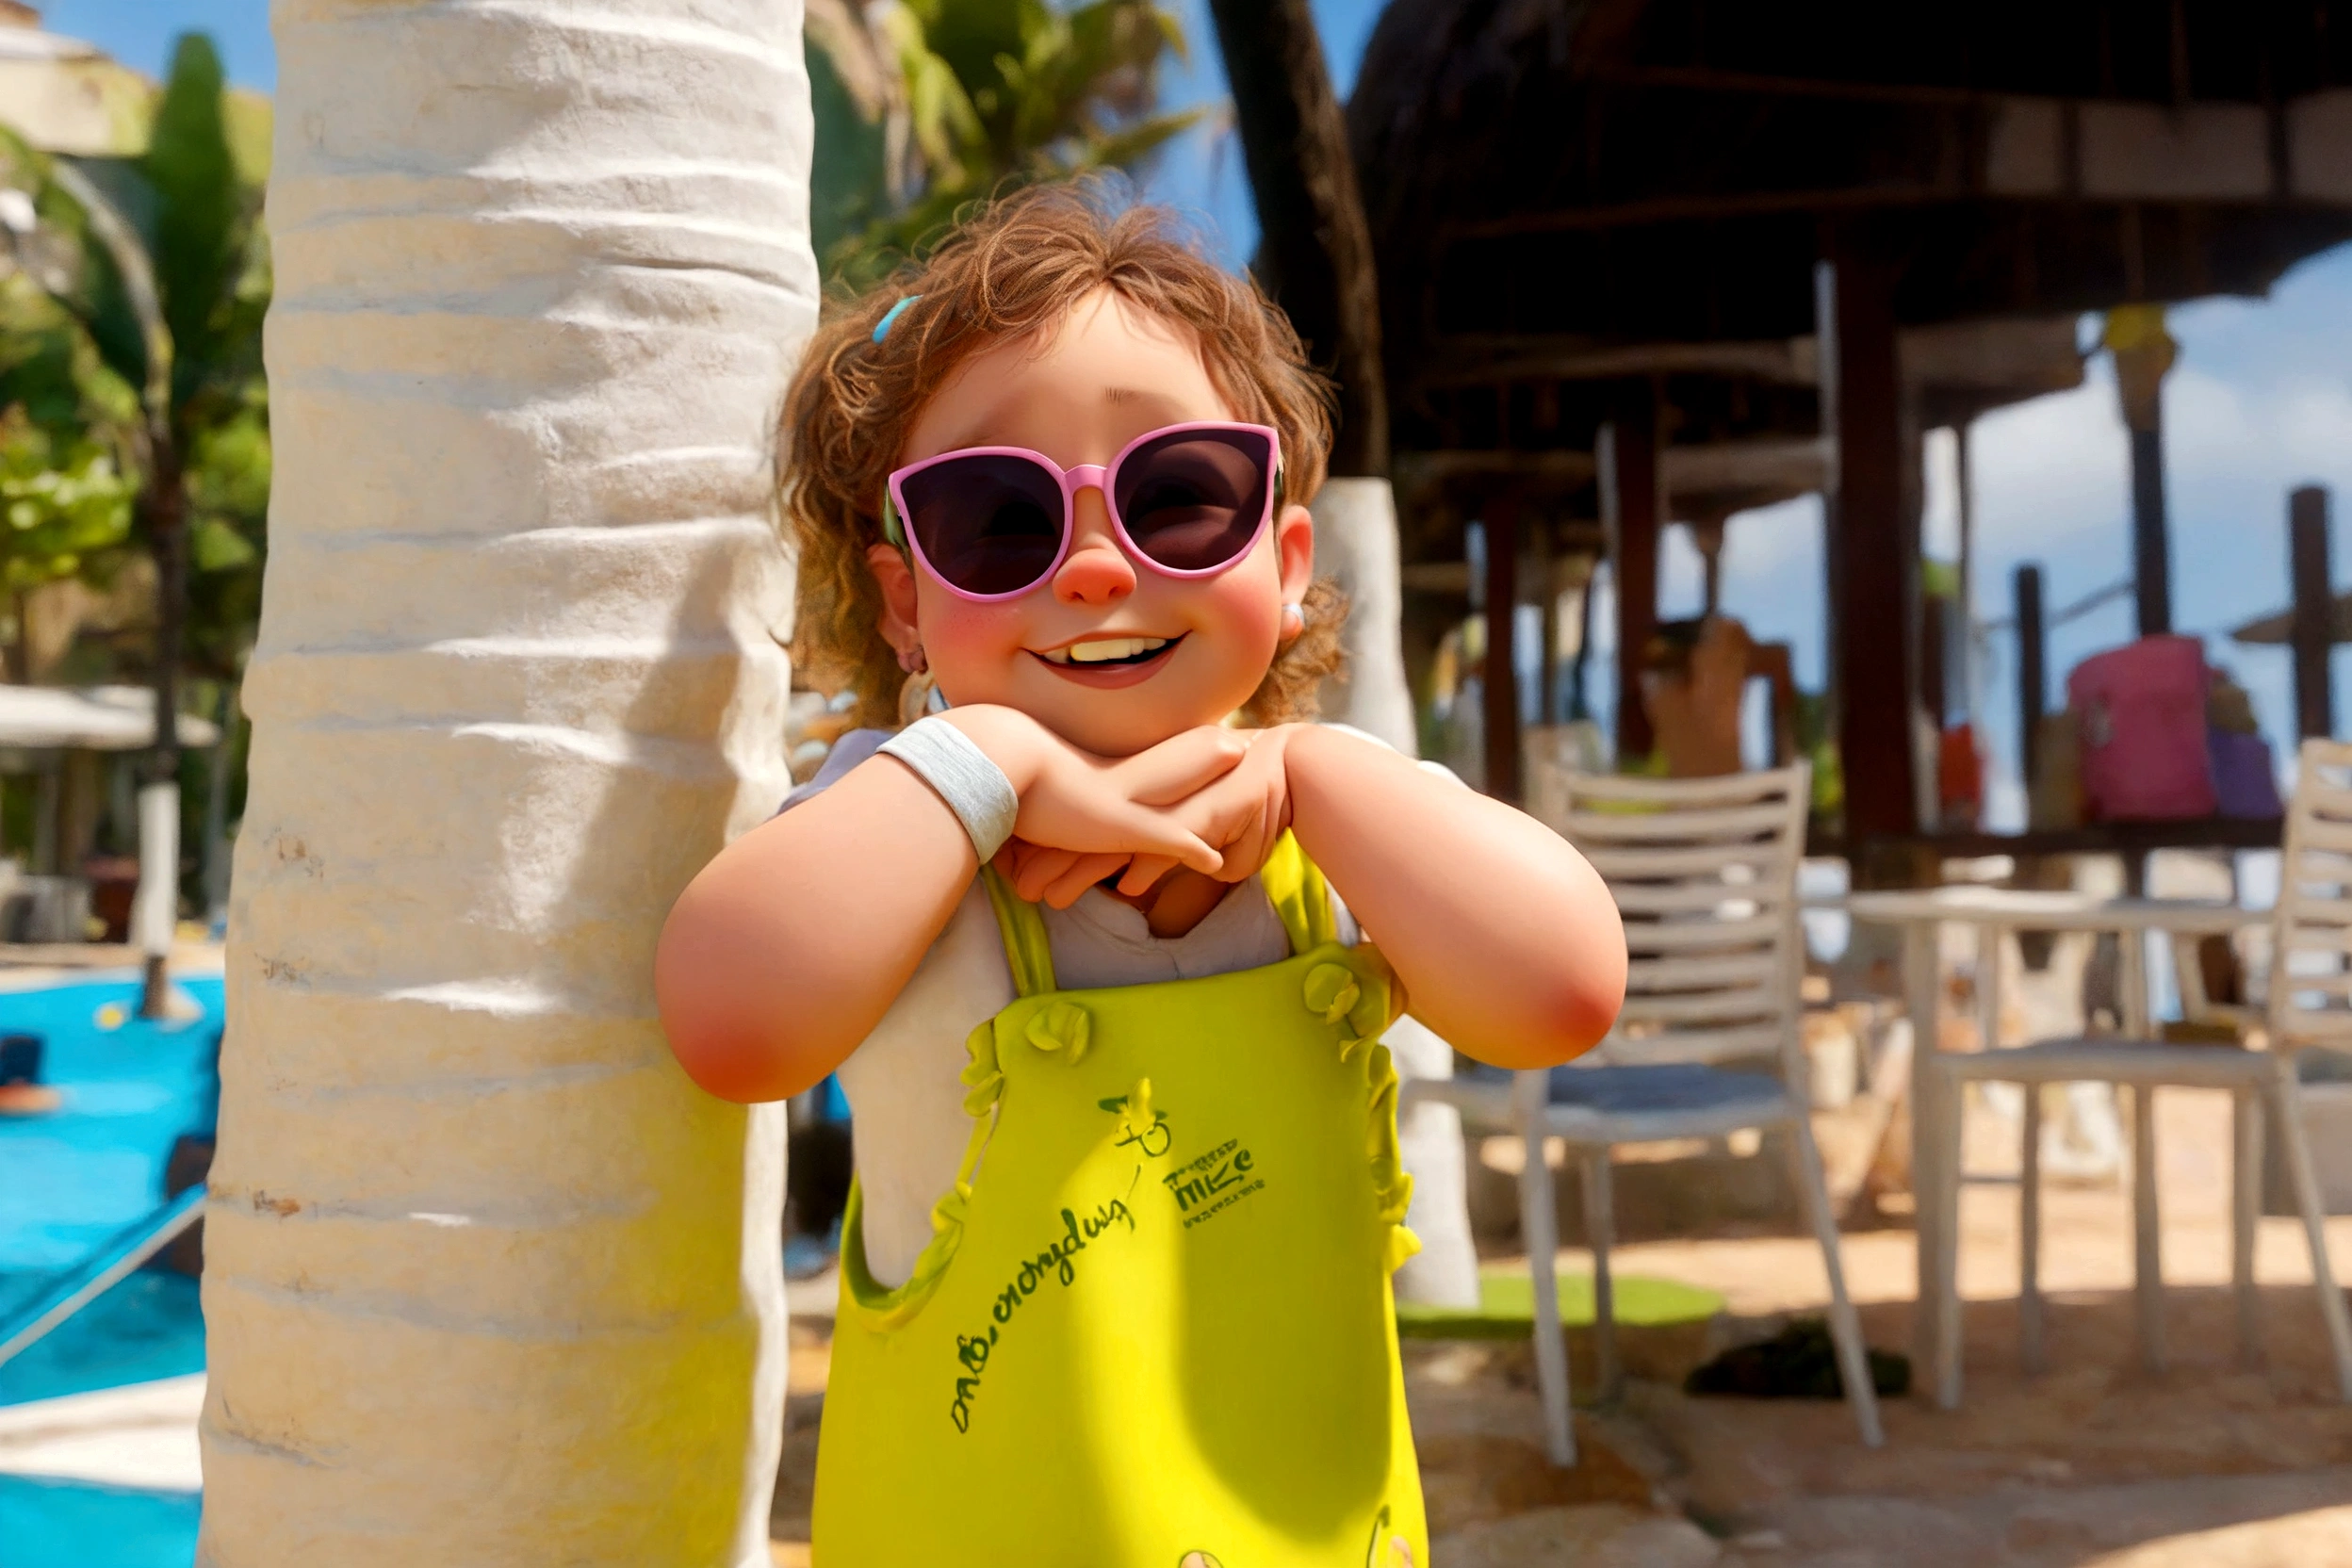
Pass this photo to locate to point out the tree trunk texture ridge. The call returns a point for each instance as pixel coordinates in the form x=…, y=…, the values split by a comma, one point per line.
x=1314, y=249
x=490, y=1282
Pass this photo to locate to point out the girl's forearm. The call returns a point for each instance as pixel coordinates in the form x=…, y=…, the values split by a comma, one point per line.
x=781, y=957
x=1507, y=942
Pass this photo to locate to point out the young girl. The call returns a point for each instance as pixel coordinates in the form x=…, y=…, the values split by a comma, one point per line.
x=1115, y=1270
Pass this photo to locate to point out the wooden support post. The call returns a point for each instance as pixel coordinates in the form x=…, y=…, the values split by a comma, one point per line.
x=1629, y=506
x=2152, y=551
x=1935, y=678
x=1548, y=583
x=2032, y=677
x=1579, y=699
x=2313, y=626
x=2143, y=351
x=1874, y=547
x=1500, y=675
x=1964, y=496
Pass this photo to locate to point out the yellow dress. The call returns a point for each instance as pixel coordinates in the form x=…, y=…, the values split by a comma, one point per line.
x=1153, y=1329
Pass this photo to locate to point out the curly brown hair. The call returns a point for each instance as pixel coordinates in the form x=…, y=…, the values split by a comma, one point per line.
x=1011, y=268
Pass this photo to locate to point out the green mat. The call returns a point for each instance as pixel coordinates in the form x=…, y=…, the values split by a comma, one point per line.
x=1506, y=1307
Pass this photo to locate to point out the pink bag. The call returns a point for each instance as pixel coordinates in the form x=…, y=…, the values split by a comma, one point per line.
x=2142, y=708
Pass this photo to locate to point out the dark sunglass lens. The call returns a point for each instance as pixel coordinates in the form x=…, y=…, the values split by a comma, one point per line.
x=1192, y=500
x=987, y=524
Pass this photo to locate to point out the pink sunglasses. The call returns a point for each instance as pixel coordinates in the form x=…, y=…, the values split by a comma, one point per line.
x=992, y=523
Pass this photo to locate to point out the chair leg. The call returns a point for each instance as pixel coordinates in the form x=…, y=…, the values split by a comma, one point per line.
x=2287, y=1113
x=1540, y=1225
x=1939, y=1198
x=1845, y=1328
x=1600, y=1232
x=2031, y=1354
x=2246, y=1210
x=1921, y=989
x=2148, y=1272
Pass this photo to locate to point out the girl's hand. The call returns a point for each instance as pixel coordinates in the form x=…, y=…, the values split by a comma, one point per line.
x=1100, y=811
x=1056, y=876
x=1244, y=812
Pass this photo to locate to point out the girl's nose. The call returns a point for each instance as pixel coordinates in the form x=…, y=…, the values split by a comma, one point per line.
x=1096, y=572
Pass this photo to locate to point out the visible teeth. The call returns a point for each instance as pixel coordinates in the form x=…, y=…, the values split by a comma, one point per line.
x=1104, y=650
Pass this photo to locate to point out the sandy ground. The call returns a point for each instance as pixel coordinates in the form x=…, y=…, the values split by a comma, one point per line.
x=2097, y=1464
x=27, y=966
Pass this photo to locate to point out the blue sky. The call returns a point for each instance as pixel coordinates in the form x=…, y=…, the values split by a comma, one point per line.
x=2261, y=401
x=140, y=32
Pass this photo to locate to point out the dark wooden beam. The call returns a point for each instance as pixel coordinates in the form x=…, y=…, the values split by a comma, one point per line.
x=1603, y=39
x=2151, y=544
x=1632, y=511
x=1500, y=674
x=2033, y=675
x=1744, y=203
x=2313, y=614
x=1935, y=613
x=1476, y=360
x=1751, y=84
x=1874, y=549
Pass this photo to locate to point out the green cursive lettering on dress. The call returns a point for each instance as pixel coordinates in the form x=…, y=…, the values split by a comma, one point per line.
x=1058, y=1261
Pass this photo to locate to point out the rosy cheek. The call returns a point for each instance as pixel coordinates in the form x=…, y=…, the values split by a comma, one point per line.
x=1247, y=610
x=968, y=644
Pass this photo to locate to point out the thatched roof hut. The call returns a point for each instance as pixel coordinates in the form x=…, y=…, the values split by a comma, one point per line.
x=1610, y=172
x=1635, y=213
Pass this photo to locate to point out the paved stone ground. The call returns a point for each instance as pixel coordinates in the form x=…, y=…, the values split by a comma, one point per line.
x=2097, y=1465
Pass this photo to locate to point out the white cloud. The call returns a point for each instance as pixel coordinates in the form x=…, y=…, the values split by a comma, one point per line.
x=2056, y=468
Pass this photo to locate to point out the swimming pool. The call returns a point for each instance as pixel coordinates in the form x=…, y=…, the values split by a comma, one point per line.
x=70, y=1181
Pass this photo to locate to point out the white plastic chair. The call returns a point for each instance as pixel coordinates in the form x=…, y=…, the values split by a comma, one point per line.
x=2310, y=1006
x=1705, y=872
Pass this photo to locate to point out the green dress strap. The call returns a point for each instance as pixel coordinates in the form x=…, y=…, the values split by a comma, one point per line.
x=1299, y=896
x=1023, y=929
x=1294, y=885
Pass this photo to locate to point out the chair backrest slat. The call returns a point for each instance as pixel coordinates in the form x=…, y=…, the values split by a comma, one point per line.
x=1707, y=1046
x=2311, y=979
x=1649, y=863
x=1703, y=931
x=1738, y=825
x=1666, y=974
x=1704, y=873
x=1731, y=900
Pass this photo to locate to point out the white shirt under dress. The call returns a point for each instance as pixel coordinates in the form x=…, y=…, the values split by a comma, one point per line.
x=908, y=1123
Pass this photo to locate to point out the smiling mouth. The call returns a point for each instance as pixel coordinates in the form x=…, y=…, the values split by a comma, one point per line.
x=1109, y=653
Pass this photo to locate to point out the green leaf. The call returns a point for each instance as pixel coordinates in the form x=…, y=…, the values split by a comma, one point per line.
x=214, y=545
x=201, y=227
x=1001, y=93
x=60, y=499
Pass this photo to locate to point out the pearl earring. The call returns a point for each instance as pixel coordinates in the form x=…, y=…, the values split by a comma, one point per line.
x=1294, y=619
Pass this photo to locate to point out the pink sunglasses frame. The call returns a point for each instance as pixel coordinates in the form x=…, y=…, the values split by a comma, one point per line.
x=1086, y=476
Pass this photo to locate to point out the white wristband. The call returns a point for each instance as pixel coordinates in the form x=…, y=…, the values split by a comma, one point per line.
x=974, y=788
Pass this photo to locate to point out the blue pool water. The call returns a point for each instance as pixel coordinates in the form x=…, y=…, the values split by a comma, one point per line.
x=68, y=1182
x=72, y=1524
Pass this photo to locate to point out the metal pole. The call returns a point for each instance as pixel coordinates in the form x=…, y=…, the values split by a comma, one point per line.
x=111, y=1264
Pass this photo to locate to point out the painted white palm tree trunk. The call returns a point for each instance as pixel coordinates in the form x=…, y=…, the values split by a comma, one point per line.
x=489, y=1282
x=1355, y=541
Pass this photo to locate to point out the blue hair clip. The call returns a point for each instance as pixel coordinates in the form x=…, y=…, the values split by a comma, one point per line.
x=890, y=316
